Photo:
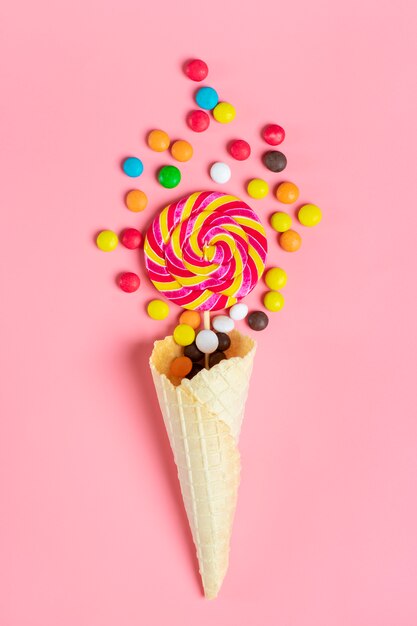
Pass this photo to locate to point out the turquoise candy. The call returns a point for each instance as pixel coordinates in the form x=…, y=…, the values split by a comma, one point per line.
x=132, y=167
x=207, y=98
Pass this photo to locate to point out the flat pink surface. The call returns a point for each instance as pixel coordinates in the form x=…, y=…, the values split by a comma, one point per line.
x=92, y=530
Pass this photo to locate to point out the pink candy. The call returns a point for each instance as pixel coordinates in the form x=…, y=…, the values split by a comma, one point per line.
x=131, y=238
x=129, y=282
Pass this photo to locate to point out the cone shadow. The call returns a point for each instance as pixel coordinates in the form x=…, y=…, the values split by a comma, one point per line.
x=152, y=426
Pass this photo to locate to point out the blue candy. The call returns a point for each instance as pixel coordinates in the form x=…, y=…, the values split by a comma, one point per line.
x=133, y=167
x=207, y=98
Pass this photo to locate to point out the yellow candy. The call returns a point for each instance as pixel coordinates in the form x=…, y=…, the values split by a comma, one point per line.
x=276, y=278
x=309, y=215
x=281, y=222
x=158, y=309
x=257, y=188
x=184, y=334
x=273, y=301
x=224, y=112
x=107, y=240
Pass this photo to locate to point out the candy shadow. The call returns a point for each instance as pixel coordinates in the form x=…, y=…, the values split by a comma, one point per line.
x=152, y=427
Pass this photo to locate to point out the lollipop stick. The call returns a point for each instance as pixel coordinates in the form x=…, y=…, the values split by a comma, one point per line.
x=206, y=320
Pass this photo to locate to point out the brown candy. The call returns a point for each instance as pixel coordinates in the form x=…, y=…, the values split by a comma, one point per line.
x=275, y=161
x=193, y=352
x=216, y=357
x=194, y=370
x=258, y=320
x=224, y=341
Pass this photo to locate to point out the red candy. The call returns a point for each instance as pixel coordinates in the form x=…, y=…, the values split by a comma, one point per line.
x=129, y=282
x=240, y=149
x=131, y=238
x=273, y=134
x=196, y=70
x=198, y=121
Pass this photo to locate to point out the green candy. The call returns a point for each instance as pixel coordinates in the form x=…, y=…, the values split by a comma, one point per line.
x=169, y=176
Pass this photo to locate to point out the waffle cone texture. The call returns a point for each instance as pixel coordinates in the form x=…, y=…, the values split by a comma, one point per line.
x=203, y=417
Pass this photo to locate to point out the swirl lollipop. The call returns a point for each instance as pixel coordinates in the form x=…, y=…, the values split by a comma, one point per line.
x=206, y=251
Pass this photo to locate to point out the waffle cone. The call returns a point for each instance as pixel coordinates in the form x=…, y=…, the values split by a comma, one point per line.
x=203, y=417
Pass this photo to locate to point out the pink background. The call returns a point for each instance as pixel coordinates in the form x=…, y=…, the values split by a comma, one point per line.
x=92, y=530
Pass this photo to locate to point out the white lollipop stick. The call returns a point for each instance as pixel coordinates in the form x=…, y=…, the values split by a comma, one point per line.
x=206, y=321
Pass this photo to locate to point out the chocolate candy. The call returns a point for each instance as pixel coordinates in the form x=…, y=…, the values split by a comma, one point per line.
x=258, y=320
x=193, y=352
x=194, y=370
x=224, y=341
x=275, y=161
x=215, y=358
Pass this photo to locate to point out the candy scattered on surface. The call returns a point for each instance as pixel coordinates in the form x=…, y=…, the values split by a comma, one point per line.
x=192, y=318
x=216, y=358
x=207, y=341
x=309, y=215
x=275, y=278
x=193, y=352
x=107, y=240
x=129, y=282
x=194, y=370
x=196, y=70
x=257, y=188
x=281, y=221
x=287, y=193
x=131, y=238
x=133, y=167
x=290, y=241
x=238, y=311
x=273, y=134
x=136, y=200
x=181, y=366
x=224, y=112
x=181, y=150
x=169, y=176
x=240, y=149
x=224, y=341
x=158, y=309
x=223, y=324
x=186, y=256
x=184, y=334
x=207, y=98
x=158, y=140
x=258, y=320
x=274, y=160
x=273, y=301
x=220, y=172
x=198, y=121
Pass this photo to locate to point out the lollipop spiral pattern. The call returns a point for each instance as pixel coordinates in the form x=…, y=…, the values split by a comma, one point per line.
x=206, y=251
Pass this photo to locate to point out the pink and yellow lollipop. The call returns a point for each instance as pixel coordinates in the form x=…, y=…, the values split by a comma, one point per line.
x=206, y=251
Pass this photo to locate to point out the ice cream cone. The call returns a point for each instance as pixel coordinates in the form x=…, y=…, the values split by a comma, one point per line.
x=203, y=417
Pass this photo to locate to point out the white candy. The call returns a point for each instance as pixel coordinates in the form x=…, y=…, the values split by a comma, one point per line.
x=238, y=311
x=220, y=172
x=223, y=324
x=207, y=341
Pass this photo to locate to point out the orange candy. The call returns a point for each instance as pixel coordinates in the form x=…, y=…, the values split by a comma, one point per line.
x=136, y=200
x=158, y=140
x=290, y=241
x=287, y=193
x=181, y=150
x=181, y=366
x=192, y=318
